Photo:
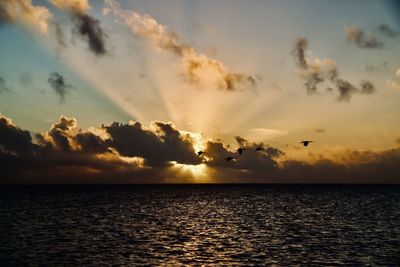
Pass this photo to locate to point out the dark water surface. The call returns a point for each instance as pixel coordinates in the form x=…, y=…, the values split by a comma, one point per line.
x=200, y=225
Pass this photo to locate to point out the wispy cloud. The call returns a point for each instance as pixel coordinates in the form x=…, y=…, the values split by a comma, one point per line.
x=324, y=71
x=3, y=85
x=197, y=68
x=357, y=36
x=387, y=30
x=59, y=85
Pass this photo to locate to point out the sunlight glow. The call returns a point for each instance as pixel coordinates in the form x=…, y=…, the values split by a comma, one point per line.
x=198, y=172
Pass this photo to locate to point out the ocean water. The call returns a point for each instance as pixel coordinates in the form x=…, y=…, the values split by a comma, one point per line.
x=174, y=225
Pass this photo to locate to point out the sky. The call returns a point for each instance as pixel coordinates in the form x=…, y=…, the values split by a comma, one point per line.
x=119, y=91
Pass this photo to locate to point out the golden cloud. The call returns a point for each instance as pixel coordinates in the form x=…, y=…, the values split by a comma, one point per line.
x=197, y=67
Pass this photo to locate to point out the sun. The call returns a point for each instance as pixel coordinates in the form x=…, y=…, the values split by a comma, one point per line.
x=198, y=172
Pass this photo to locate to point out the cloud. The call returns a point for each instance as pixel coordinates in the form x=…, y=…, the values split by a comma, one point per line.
x=355, y=167
x=3, y=85
x=13, y=139
x=132, y=153
x=299, y=50
x=367, y=87
x=197, y=68
x=86, y=26
x=30, y=17
x=321, y=72
x=346, y=89
x=249, y=162
x=77, y=6
x=158, y=147
x=26, y=14
x=58, y=83
x=387, y=30
x=67, y=153
x=89, y=28
x=357, y=36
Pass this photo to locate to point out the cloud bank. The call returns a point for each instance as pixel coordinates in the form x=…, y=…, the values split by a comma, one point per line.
x=133, y=153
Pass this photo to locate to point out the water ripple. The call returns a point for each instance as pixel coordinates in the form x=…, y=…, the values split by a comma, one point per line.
x=204, y=225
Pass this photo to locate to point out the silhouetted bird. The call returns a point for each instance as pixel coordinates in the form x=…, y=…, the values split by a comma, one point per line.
x=229, y=159
x=305, y=143
x=240, y=150
x=200, y=153
x=259, y=148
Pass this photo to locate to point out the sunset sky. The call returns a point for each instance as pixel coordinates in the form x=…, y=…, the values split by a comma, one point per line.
x=128, y=91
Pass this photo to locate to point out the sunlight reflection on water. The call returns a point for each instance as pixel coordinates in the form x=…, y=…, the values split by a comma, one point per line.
x=200, y=225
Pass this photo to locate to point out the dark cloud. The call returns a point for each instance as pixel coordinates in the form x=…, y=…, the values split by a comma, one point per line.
x=250, y=161
x=355, y=167
x=324, y=72
x=91, y=143
x=59, y=34
x=367, y=87
x=241, y=141
x=85, y=26
x=89, y=29
x=157, y=147
x=58, y=83
x=3, y=85
x=13, y=139
x=387, y=30
x=298, y=52
x=131, y=153
x=357, y=36
x=346, y=89
x=60, y=133
x=67, y=152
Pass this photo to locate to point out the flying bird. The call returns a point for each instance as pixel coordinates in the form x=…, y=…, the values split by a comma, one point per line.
x=229, y=159
x=240, y=150
x=305, y=143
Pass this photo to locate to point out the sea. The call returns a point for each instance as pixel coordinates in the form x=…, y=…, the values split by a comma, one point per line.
x=200, y=225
